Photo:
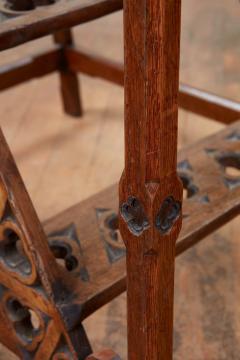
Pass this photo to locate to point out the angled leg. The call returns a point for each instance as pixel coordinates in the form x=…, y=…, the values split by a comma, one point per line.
x=35, y=292
x=150, y=191
x=69, y=81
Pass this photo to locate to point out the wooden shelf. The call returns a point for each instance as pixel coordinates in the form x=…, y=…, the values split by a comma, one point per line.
x=89, y=230
x=18, y=27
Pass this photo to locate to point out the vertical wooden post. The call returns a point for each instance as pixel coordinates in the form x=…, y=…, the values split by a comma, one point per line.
x=150, y=191
x=69, y=82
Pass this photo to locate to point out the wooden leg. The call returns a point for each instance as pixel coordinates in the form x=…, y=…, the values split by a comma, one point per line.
x=150, y=191
x=69, y=81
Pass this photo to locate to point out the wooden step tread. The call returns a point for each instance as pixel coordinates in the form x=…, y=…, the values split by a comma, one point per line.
x=19, y=22
x=89, y=230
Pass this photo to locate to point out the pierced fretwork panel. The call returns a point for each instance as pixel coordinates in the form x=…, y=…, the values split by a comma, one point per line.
x=110, y=234
x=15, y=255
x=35, y=292
x=35, y=335
x=229, y=164
x=66, y=247
x=27, y=323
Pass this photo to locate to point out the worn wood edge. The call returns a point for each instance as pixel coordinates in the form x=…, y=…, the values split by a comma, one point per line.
x=201, y=233
x=208, y=105
x=46, y=20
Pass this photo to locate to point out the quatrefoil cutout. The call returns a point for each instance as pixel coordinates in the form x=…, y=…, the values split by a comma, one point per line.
x=168, y=215
x=134, y=215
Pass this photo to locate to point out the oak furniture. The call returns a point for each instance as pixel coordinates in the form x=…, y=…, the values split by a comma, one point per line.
x=54, y=275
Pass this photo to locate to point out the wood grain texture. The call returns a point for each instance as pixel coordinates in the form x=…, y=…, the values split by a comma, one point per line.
x=68, y=78
x=209, y=256
x=204, y=210
x=46, y=20
x=152, y=50
x=190, y=99
x=32, y=283
x=207, y=275
x=30, y=67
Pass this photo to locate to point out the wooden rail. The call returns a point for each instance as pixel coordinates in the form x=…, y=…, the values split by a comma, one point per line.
x=48, y=19
x=190, y=99
x=29, y=68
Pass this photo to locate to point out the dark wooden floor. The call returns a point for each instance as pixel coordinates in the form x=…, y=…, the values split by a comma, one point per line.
x=43, y=139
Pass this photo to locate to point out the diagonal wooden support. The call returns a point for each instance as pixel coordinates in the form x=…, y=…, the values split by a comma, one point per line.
x=34, y=292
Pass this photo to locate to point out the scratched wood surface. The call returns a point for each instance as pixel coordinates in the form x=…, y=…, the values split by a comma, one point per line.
x=43, y=139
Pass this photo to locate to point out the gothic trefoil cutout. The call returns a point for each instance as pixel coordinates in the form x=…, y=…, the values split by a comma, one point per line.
x=191, y=190
x=184, y=165
x=233, y=136
x=15, y=256
x=21, y=232
x=28, y=324
x=185, y=172
x=229, y=163
x=110, y=234
x=66, y=247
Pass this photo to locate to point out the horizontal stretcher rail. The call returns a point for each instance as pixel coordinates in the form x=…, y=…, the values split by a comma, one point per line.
x=29, y=68
x=190, y=99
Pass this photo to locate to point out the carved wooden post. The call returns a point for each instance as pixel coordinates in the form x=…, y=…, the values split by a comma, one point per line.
x=150, y=191
x=69, y=82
